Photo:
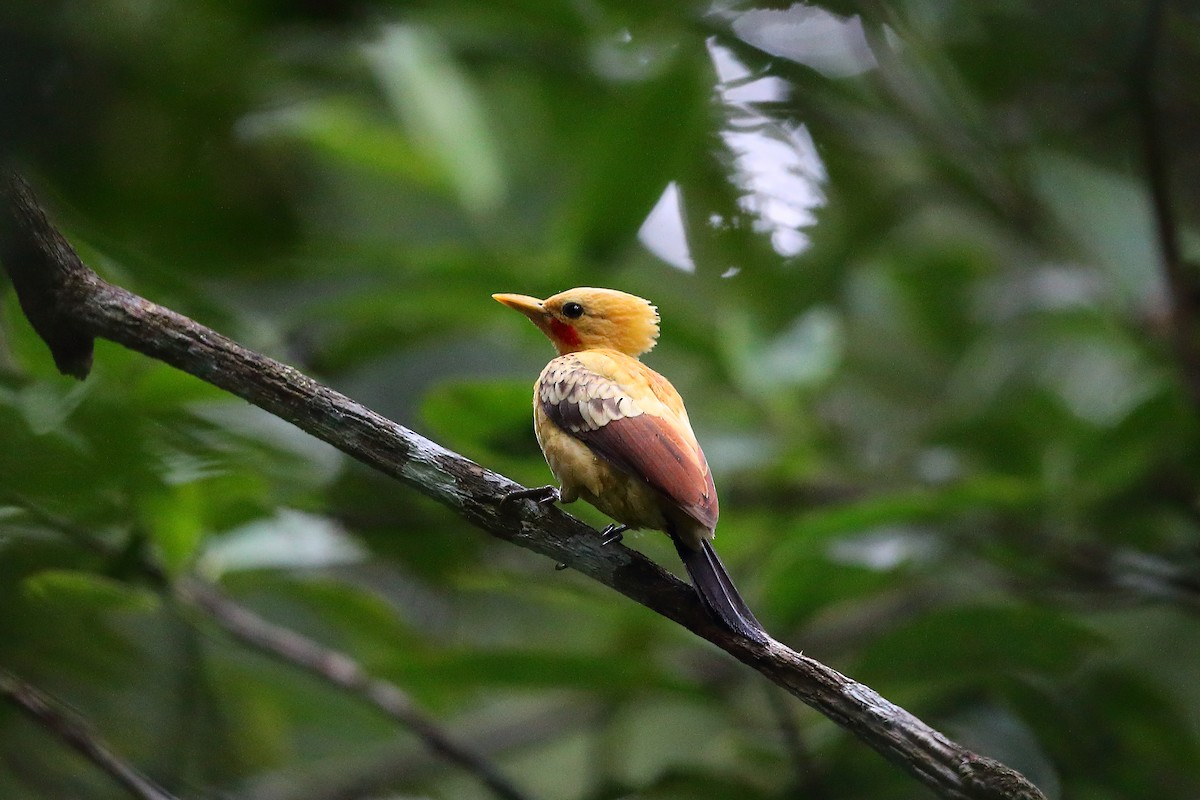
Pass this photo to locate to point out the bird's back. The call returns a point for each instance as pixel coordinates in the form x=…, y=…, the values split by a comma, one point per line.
x=632, y=419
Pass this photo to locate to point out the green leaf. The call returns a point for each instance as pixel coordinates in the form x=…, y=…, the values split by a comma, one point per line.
x=490, y=421
x=973, y=644
x=806, y=570
x=350, y=133
x=638, y=140
x=1107, y=215
x=359, y=619
x=291, y=539
x=175, y=520
x=86, y=590
x=803, y=356
x=441, y=110
x=46, y=406
x=541, y=669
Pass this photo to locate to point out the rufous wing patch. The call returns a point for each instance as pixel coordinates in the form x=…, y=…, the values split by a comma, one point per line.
x=598, y=412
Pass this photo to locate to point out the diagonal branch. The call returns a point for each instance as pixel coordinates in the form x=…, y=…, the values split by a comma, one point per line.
x=340, y=670
x=291, y=647
x=76, y=734
x=81, y=301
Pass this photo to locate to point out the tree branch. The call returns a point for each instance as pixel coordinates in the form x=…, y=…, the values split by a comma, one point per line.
x=28, y=238
x=1125, y=576
x=292, y=648
x=340, y=670
x=806, y=781
x=79, y=300
x=76, y=734
x=1183, y=283
x=394, y=768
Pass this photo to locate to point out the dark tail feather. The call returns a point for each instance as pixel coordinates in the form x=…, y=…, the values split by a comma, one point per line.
x=716, y=589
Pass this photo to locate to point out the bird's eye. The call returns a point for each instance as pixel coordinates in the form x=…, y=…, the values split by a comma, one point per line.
x=572, y=310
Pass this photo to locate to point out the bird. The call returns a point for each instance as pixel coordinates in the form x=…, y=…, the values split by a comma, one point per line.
x=616, y=434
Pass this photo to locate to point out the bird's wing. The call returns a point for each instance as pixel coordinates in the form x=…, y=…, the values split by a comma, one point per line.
x=638, y=436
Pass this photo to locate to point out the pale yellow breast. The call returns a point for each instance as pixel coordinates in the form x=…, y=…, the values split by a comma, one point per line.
x=582, y=474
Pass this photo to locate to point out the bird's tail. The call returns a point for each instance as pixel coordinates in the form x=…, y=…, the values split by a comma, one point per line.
x=716, y=589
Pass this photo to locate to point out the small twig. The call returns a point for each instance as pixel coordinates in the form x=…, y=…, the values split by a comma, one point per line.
x=75, y=733
x=1183, y=285
x=79, y=299
x=339, y=670
x=381, y=775
x=1130, y=576
x=805, y=778
x=83, y=539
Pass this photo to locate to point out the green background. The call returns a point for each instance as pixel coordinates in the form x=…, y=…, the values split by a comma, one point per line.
x=922, y=330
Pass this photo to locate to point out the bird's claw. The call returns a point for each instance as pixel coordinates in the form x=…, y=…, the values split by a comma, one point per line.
x=542, y=495
x=612, y=534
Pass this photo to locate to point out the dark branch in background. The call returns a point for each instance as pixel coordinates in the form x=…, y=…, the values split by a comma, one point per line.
x=1129, y=577
x=293, y=648
x=379, y=776
x=806, y=781
x=78, y=736
x=342, y=671
x=74, y=298
x=1183, y=282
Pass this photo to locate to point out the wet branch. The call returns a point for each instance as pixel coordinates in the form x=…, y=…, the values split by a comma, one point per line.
x=74, y=302
x=78, y=736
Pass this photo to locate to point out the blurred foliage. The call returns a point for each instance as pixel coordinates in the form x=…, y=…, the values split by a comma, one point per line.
x=910, y=282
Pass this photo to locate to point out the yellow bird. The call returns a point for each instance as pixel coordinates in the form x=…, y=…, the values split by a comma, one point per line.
x=615, y=433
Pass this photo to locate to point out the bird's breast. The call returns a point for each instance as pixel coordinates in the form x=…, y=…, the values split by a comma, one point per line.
x=614, y=433
x=583, y=474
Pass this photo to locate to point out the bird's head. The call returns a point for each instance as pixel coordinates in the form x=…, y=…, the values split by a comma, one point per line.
x=588, y=319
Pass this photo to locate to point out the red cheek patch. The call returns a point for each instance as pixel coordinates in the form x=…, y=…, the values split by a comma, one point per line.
x=564, y=333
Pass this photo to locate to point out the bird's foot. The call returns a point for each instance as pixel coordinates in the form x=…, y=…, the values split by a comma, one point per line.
x=612, y=534
x=542, y=495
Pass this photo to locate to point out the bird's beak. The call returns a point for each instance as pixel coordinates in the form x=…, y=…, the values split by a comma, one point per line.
x=529, y=306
